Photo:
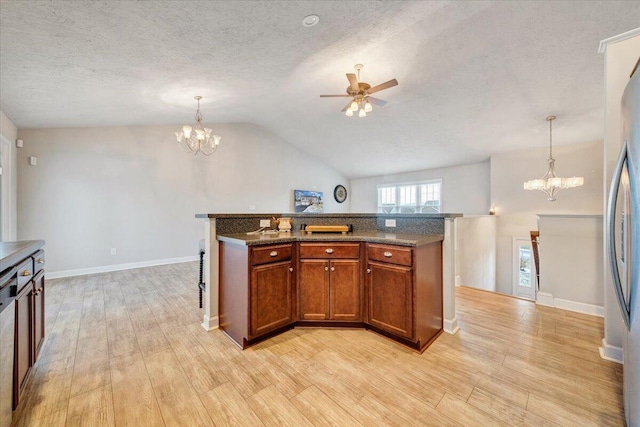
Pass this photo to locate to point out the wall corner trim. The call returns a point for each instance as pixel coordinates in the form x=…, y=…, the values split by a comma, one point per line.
x=451, y=326
x=118, y=267
x=611, y=352
x=210, y=323
x=615, y=39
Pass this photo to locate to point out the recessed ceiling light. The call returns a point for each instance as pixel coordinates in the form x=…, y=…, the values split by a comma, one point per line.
x=310, y=20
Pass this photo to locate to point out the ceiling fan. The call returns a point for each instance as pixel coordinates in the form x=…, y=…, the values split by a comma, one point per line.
x=361, y=94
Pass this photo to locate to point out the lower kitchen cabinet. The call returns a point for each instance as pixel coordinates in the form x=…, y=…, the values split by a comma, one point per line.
x=391, y=298
x=38, y=313
x=23, y=351
x=329, y=282
x=256, y=290
x=270, y=296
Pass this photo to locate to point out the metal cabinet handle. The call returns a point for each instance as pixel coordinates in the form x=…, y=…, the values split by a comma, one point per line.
x=290, y=268
x=329, y=250
x=368, y=271
x=26, y=273
x=273, y=253
x=40, y=260
x=387, y=254
x=333, y=269
x=326, y=269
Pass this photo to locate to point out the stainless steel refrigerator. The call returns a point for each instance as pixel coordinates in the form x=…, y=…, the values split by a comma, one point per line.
x=623, y=223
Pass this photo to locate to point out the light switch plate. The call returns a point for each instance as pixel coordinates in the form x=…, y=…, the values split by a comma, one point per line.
x=265, y=223
x=389, y=222
x=33, y=160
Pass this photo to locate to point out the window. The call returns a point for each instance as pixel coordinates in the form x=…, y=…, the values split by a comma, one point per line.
x=411, y=197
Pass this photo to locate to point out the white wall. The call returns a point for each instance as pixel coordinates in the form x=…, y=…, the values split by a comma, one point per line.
x=517, y=208
x=9, y=132
x=570, y=268
x=476, y=251
x=132, y=189
x=465, y=189
x=619, y=61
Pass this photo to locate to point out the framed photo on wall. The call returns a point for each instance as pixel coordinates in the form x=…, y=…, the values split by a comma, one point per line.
x=308, y=201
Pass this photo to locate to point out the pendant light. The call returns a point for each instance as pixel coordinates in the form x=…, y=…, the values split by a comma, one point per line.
x=551, y=183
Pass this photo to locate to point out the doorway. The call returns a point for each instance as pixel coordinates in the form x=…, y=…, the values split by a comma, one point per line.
x=524, y=285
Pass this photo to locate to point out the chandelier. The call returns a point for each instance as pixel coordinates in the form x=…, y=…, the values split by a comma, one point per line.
x=551, y=183
x=198, y=139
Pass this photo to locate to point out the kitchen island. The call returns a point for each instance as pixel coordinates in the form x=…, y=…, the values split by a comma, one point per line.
x=303, y=269
x=390, y=283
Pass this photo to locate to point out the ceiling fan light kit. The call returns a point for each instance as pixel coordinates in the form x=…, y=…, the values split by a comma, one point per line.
x=360, y=92
x=551, y=183
x=197, y=139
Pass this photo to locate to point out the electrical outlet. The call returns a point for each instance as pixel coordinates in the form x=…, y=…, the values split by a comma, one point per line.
x=265, y=223
x=389, y=222
x=252, y=207
x=113, y=251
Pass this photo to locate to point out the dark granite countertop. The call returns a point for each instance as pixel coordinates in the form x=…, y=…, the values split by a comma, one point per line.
x=12, y=253
x=327, y=215
x=402, y=239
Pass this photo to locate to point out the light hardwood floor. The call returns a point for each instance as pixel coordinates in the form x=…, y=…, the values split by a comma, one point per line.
x=127, y=348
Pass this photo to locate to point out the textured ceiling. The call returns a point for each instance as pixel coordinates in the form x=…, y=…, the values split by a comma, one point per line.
x=476, y=78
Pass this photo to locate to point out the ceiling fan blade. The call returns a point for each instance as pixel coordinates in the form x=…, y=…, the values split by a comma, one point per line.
x=335, y=96
x=347, y=107
x=376, y=101
x=353, y=81
x=385, y=85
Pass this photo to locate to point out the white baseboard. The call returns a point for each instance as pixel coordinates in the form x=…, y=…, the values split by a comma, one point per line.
x=210, y=323
x=611, y=353
x=547, y=299
x=450, y=326
x=118, y=267
x=459, y=281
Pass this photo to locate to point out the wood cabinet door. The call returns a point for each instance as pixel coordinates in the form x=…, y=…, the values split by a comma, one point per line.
x=23, y=340
x=313, y=289
x=391, y=298
x=345, y=295
x=38, y=314
x=270, y=297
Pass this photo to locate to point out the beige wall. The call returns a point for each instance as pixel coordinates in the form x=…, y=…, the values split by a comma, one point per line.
x=132, y=189
x=465, y=189
x=9, y=132
x=517, y=208
x=476, y=252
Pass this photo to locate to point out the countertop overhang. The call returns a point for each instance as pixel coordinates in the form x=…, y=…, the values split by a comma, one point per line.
x=402, y=239
x=14, y=252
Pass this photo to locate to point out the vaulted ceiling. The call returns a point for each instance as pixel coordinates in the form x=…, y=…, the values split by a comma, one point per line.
x=475, y=78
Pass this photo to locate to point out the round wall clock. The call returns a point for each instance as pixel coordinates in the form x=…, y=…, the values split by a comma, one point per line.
x=340, y=193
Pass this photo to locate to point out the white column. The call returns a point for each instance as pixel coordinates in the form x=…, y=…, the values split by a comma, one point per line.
x=620, y=55
x=450, y=322
x=210, y=320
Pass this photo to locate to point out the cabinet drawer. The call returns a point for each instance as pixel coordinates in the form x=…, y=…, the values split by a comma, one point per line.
x=263, y=255
x=329, y=250
x=25, y=272
x=392, y=254
x=38, y=261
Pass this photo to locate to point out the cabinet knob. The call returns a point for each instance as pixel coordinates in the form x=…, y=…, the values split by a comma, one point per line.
x=368, y=271
x=329, y=250
x=273, y=253
x=40, y=260
x=333, y=269
x=326, y=269
x=290, y=268
x=388, y=254
x=26, y=273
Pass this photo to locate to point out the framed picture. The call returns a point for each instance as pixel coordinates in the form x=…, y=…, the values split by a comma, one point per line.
x=307, y=201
